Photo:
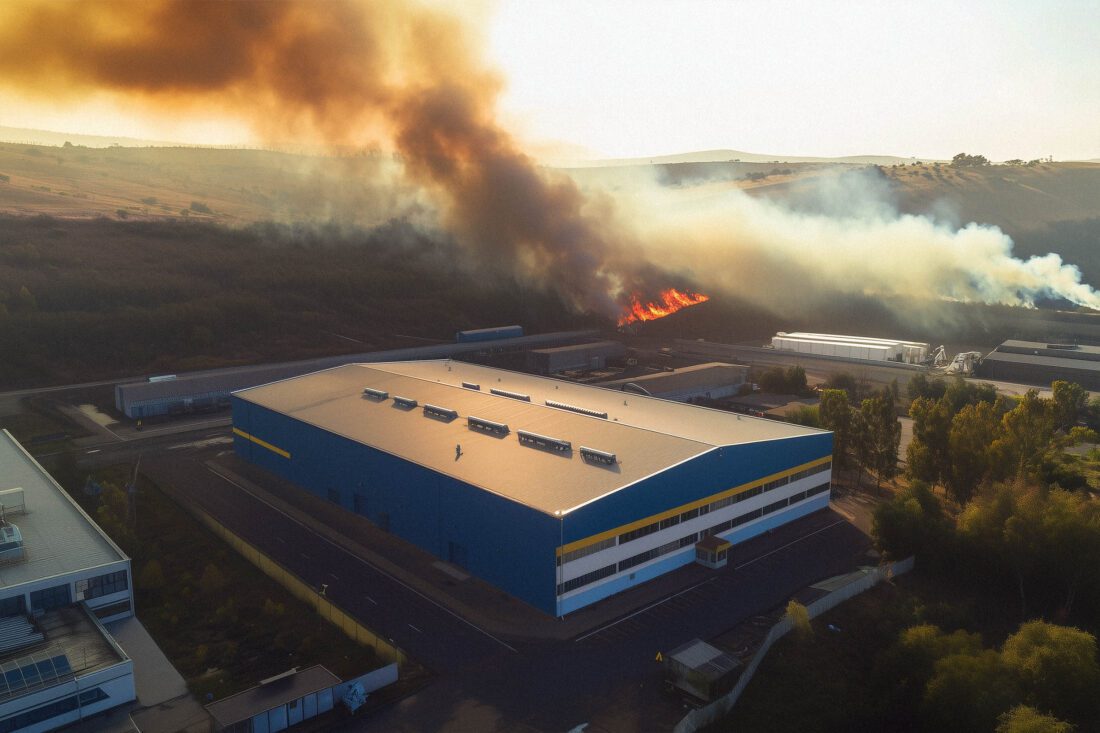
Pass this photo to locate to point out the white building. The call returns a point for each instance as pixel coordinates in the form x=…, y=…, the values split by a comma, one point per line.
x=851, y=347
x=61, y=578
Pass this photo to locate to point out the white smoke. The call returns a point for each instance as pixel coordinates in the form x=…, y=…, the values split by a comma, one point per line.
x=840, y=237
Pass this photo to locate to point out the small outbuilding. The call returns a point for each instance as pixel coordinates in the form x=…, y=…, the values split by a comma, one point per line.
x=701, y=670
x=712, y=551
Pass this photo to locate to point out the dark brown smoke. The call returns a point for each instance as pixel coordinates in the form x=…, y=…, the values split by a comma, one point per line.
x=342, y=73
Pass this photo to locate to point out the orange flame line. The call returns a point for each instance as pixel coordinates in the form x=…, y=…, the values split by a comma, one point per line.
x=671, y=301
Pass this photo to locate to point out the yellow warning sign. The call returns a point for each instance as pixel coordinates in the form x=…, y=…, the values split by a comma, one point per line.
x=659, y=657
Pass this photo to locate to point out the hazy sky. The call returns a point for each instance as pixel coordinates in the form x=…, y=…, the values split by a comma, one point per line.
x=646, y=77
x=1006, y=79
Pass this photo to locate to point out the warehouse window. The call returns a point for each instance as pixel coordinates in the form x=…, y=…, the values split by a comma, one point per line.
x=640, y=532
x=586, y=551
x=775, y=506
x=583, y=580
x=817, y=489
x=48, y=599
x=102, y=585
x=13, y=605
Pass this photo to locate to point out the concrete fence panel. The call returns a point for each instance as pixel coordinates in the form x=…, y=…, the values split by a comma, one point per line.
x=709, y=714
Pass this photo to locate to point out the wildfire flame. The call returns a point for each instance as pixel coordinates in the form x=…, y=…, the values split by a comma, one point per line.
x=671, y=301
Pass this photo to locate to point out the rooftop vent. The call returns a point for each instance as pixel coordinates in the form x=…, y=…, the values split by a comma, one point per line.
x=11, y=543
x=512, y=395
x=404, y=402
x=487, y=426
x=574, y=408
x=375, y=394
x=598, y=456
x=12, y=501
x=440, y=412
x=472, y=385
x=534, y=440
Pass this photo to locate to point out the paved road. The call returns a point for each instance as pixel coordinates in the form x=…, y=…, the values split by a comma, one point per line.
x=487, y=683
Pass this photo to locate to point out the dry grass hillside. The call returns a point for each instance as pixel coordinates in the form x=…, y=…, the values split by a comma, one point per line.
x=218, y=185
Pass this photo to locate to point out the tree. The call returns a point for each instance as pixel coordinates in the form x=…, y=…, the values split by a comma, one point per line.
x=928, y=455
x=1026, y=719
x=1070, y=400
x=912, y=523
x=795, y=378
x=212, y=580
x=800, y=619
x=1057, y=668
x=836, y=415
x=969, y=439
x=968, y=692
x=881, y=435
x=1026, y=433
x=152, y=576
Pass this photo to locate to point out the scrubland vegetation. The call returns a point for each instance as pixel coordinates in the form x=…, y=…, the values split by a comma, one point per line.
x=84, y=300
x=996, y=628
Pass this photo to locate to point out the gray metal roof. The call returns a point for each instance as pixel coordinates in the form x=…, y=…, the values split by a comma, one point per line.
x=1046, y=346
x=1053, y=362
x=647, y=435
x=701, y=657
x=692, y=377
x=609, y=346
x=58, y=536
x=234, y=378
x=264, y=697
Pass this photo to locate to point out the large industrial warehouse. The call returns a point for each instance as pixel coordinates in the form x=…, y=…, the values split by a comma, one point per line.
x=1040, y=363
x=558, y=493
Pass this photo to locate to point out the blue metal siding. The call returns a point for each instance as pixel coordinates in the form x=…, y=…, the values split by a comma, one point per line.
x=708, y=474
x=507, y=544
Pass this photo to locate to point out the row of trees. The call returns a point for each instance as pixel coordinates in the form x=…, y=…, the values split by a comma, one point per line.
x=1044, y=675
x=965, y=434
x=865, y=437
x=1021, y=538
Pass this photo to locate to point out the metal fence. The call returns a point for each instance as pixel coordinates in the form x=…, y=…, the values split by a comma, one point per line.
x=704, y=716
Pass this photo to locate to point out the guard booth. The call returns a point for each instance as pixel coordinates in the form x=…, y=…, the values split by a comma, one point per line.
x=712, y=551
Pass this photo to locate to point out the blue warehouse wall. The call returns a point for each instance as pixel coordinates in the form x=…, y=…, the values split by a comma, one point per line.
x=500, y=541
x=710, y=473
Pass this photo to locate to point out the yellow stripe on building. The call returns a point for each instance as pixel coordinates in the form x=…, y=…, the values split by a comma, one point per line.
x=262, y=443
x=688, y=507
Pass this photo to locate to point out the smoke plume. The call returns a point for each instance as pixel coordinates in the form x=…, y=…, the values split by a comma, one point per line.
x=409, y=78
x=341, y=72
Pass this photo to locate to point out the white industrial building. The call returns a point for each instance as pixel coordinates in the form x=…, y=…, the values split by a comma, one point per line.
x=61, y=578
x=851, y=347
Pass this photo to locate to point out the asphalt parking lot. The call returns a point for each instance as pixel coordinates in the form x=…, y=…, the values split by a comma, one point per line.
x=605, y=676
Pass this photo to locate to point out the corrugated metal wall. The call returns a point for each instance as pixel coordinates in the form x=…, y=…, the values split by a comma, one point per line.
x=505, y=543
x=718, y=470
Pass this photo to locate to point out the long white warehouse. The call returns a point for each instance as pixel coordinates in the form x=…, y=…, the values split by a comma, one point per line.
x=851, y=347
